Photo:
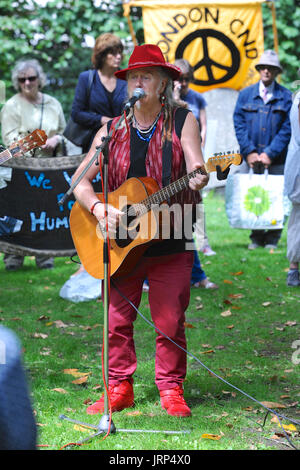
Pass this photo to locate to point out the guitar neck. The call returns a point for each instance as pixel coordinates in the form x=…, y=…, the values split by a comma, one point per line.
x=36, y=139
x=5, y=155
x=223, y=161
x=172, y=189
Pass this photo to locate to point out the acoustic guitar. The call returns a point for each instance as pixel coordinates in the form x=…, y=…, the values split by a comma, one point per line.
x=36, y=139
x=141, y=200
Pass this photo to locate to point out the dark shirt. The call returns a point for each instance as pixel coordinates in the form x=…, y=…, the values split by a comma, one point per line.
x=101, y=102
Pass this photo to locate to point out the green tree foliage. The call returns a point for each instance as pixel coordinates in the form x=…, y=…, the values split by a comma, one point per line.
x=58, y=34
x=288, y=28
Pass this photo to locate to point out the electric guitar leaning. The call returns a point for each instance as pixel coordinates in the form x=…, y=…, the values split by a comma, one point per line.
x=36, y=139
x=138, y=198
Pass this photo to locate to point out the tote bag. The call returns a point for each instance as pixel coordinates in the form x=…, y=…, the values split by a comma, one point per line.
x=76, y=133
x=256, y=201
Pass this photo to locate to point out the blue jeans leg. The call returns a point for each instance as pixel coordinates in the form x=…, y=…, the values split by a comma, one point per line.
x=197, y=272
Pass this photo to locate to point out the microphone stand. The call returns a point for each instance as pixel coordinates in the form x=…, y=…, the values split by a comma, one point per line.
x=106, y=424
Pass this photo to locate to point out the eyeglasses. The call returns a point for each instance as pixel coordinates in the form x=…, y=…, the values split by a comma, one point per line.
x=23, y=79
x=270, y=68
x=184, y=79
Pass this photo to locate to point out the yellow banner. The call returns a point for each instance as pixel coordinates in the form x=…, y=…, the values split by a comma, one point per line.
x=223, y=42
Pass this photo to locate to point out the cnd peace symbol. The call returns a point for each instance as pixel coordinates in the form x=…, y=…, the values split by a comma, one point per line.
x=207, y=60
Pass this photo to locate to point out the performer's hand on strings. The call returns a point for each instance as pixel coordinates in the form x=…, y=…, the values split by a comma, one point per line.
x=111, y=221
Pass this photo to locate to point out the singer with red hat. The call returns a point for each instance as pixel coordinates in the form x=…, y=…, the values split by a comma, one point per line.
x=161, y=140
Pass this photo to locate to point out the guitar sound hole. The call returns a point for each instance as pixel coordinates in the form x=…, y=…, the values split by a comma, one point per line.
x=128, y=228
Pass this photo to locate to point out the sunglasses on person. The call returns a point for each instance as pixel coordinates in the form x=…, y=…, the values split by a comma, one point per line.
x=184, y=78
x=23, y=79
x=270, y=68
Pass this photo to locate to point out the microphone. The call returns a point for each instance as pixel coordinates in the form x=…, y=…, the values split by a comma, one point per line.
x=137, y=95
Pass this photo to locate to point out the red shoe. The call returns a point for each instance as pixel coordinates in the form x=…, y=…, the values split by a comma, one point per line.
x=173, y=402
x=121, y=396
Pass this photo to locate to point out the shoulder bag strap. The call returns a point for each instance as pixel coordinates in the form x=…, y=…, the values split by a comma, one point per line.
x=91, y=79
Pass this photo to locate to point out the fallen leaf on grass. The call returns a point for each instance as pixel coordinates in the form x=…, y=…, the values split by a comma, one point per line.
x=76, y=373
x=226, y=281
x=97, y=387
x=209, y=351
x=287, y=427
x=226, y=313
x=59, y=390
x=87, y=401
x=134, y=413
x=236, y=296
x=272, y=404
x=214, y=437
x=60, y=324
x=40, y=335
x=290, y=323
x=188, y=325
x=230, y=327
x=82, y=376
x=266, y=304
x=81, y=380
x=275, y=437
x=238, y=273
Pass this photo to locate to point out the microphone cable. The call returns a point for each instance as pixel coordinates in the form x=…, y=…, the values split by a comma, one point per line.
x=269, y=410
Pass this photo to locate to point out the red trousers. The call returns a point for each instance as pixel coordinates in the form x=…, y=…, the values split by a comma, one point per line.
x=169, y=294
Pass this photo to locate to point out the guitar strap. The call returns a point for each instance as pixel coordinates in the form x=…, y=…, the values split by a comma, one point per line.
x=167, y=154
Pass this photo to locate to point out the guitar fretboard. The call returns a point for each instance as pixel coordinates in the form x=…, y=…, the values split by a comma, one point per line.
x=163, y=194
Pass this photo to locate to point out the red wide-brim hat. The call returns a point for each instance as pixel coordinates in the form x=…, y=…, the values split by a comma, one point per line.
x=148, y=55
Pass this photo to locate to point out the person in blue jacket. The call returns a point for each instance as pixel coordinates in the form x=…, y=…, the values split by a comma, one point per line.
x=107, y=94
x=263, y=130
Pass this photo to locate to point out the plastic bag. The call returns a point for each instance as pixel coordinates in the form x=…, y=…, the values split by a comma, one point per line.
x=256, y=201
x=81, y=287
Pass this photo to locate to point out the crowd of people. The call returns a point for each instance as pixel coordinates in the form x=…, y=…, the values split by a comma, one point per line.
x=162, y=136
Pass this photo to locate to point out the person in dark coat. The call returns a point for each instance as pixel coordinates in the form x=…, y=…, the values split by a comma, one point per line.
x=107, y=93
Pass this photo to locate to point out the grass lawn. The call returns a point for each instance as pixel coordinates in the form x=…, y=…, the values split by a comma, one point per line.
x=245, y=332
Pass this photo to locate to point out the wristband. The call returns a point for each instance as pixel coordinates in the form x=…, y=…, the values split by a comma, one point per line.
x=93, y=207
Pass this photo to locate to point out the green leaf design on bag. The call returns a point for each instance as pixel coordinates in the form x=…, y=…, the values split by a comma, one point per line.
x=257, y=200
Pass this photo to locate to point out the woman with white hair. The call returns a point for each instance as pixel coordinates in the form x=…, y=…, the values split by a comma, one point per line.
x=27, y=110
x=31, y=109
